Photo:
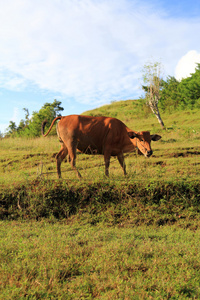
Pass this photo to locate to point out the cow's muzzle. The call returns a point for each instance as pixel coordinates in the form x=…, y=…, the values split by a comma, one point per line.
x=149, y=153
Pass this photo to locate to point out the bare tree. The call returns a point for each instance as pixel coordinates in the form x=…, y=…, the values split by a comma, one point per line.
x=152, y=86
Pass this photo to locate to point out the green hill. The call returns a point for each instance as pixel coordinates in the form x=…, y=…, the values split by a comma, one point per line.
x=177, y=153
x=138, y=116
x=126, y=111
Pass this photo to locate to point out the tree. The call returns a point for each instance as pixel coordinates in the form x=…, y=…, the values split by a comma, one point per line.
x=48, y=111
x=189, y=88
x=56, y=107
x=170, y=96
x=12, y=128
x=181, y=94
x=26, y=116
x=31, y=127
x=153, y=84
x=21, y=126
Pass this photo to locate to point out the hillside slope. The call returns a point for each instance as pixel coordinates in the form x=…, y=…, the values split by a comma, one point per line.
x=176, y=155
x=138, y=116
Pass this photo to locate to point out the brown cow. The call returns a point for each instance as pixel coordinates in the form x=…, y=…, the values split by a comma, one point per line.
x=98, y=135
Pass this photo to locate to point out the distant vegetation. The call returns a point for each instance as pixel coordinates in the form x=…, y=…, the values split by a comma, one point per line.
x=185, y=94
x=31, y=127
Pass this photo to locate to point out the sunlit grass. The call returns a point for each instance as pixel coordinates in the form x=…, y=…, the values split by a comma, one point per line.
x=27, y=145
x=176, y=155
x=40, y=260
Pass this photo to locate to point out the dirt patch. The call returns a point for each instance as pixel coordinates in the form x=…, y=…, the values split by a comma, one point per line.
x=184, y=154
x=160, y=163
x=27, y=156
x=10, y=163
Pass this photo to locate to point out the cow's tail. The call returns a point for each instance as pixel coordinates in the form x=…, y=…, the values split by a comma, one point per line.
x=44, y=123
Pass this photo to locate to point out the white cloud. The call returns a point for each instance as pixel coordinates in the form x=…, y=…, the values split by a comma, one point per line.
x=11, y=81
x=187, y=64
x=87, y=50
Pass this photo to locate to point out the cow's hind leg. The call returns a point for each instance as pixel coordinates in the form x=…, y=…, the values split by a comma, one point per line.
x=72, y=157
x=122, y=162
x=107, y=162
x=59, y=158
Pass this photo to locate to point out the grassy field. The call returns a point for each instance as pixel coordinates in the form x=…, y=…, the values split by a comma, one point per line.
x=133, y=237
x=41, y=260
x=176, y=155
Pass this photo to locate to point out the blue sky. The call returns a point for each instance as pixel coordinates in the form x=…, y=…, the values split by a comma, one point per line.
x=87, y=53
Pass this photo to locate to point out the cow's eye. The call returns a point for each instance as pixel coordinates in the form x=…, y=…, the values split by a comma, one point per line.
x=142, y=140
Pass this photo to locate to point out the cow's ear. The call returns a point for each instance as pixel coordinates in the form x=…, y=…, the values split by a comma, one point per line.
x=155, y=137
x=132, y=134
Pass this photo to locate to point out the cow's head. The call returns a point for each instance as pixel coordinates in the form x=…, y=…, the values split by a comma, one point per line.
x=143, y=141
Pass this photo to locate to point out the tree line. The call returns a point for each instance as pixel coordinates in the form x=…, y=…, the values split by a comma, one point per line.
x=160, y=95
x=31, y=126
x=183, y=94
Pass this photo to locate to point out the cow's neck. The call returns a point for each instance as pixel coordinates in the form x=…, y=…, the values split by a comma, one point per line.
x=129, y=146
